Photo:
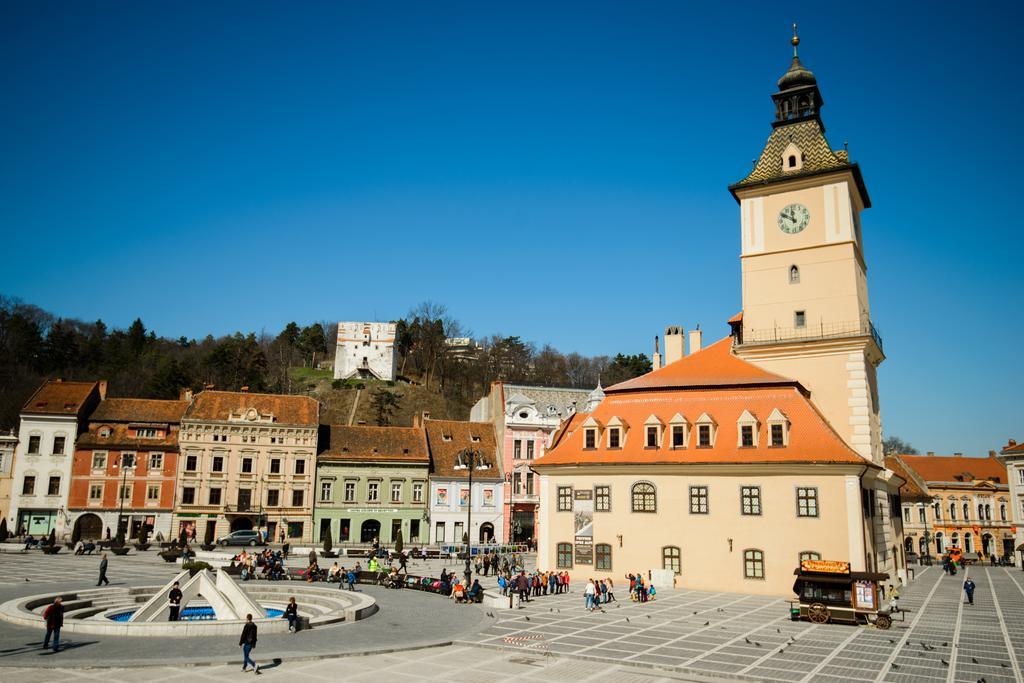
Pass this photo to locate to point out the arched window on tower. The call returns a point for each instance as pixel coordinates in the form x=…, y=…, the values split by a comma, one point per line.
x=794, y=275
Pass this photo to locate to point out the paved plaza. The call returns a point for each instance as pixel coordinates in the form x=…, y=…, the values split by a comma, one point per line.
x=683, y=635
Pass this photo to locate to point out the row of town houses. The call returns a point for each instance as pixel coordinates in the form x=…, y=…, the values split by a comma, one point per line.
x=214, y=462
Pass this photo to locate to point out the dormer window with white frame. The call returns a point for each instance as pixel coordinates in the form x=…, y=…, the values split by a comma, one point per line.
x=778, y=429
x=707, y=430
x=746, y=428
x=616, y=433
x=653, y=428
x=591, y=432
x=679, y=431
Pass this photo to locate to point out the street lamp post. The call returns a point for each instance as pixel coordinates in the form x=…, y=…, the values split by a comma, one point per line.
x=124, y=480
x=470, y=459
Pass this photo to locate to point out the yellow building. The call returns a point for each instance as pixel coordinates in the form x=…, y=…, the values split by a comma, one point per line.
x=247, y=461
x=730, y=464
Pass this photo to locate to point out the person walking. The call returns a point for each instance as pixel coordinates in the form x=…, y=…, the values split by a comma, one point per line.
x=54, y=616
x=248, y=642
x=291, y=613
x=611, y=591
x=969, y=589
x=174, y=602
x=103, y=571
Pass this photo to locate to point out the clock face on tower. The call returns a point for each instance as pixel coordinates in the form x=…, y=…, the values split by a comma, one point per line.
x=793, y=218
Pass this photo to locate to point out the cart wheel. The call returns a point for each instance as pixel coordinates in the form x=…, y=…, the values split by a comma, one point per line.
x=818, y=613
x=883, y=622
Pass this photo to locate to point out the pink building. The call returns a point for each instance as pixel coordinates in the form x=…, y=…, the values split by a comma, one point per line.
x=524, y=419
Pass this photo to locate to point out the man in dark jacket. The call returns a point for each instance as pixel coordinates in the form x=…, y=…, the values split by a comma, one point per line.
x=54, y=616
x=247, y=642
x=103, y=571
x=174, y=600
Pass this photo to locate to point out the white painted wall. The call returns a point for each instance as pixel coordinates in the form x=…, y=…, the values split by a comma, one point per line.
x=42, y=466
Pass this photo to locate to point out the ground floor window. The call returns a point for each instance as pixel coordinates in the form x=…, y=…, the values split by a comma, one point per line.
x=295, y=529
x=344, y=530
x=564, y=556
x=439, y=532
x=603, y=556
x=753, y=564
x=671, y=558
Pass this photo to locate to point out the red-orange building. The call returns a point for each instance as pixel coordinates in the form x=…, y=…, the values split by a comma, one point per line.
x=125, y=467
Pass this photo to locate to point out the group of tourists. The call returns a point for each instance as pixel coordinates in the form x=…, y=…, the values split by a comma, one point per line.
x=536, y=584
x=640, y=590
x=598, y=592
x=268, y=564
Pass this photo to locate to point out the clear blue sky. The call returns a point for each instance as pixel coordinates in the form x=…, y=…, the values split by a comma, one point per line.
x=552, y=170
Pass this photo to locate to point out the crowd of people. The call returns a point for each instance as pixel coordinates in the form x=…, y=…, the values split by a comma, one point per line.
x=267, y=564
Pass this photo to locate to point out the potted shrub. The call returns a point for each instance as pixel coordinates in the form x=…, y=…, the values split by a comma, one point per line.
x=170, y=555
x=328, y=544
x=4, y=533
x=50, y=546
x=208, y=543
x=195, y=566
x=142, y=542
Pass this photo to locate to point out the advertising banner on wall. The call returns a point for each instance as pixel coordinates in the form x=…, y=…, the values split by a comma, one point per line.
x=583, y=526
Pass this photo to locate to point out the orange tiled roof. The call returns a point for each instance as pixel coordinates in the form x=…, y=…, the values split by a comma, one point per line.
x=567, y=426
x=446, y=438
x=811, y=439
x=121, y=436
x=364, y=443
x=738, y=318
x=713, y=366
x=59, y=397
x=946, y=468
x=139, y=410
x=1013, y=448
x=289, y=410
x=913, y=488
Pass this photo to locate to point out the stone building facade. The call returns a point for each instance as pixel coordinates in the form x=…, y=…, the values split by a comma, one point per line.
x=247, y=461
x=1012, y=456
x=8, y=444
x=365, y=350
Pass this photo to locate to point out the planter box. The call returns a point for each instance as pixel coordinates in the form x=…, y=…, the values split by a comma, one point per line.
x=141, y=547
x=51, y=549
x=120, y=551
x=170, y=556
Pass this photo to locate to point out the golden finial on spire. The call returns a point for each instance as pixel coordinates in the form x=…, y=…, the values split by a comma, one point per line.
x=795, y=39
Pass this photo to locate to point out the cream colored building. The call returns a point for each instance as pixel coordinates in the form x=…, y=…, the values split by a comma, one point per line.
x=8, y=444
x=1012, y=455
x=785, y=408
x=247, y=461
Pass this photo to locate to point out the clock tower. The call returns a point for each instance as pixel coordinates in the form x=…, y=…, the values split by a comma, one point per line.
x=805, y=294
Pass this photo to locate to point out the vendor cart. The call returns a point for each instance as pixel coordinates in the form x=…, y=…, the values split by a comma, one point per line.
x=827, y=591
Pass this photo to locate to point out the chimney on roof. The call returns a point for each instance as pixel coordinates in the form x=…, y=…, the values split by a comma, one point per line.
x=362, y=423
x=673, y=343
x=185, y=395
x=1011, y=443
x=244, y=389
x=103, y=389
x=696, y=339
x=958, y=455
x=208, y=386
x=931, y=453
x=991, y=454
x=657, y=354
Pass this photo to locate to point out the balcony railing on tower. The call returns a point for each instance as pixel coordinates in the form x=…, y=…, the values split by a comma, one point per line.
x=833, y=330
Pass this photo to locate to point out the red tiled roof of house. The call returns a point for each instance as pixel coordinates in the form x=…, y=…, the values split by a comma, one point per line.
x=365, y=443
x=1013, y=448
x=738, y=318
x=811, y=439
x=913, y=489
x=946, y=468
x=122, y=436
x=139, y=410
x=447, y=438
x=59, y=397
x=713, y=366
x=289, y=410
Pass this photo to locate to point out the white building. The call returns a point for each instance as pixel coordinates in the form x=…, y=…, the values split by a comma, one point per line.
x=50, y=422
x=1012, y=456
x=365, y=350
x=451, y=500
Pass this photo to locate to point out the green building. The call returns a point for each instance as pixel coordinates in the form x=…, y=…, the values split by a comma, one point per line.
x=371, y=482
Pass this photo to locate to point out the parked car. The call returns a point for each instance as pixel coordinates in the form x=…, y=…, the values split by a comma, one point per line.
x=242, y=538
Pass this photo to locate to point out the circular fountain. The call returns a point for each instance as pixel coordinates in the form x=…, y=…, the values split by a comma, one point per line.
x=211, y=605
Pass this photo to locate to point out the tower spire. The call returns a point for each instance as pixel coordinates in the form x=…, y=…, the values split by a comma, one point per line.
x=795, y=40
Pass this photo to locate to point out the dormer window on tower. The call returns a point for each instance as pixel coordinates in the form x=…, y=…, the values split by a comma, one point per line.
x=792, y=159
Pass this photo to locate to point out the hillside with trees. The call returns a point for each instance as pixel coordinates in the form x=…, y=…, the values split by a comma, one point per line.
x=36, y=344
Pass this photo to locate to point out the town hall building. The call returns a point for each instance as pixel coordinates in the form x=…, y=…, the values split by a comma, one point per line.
x=738, y=460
